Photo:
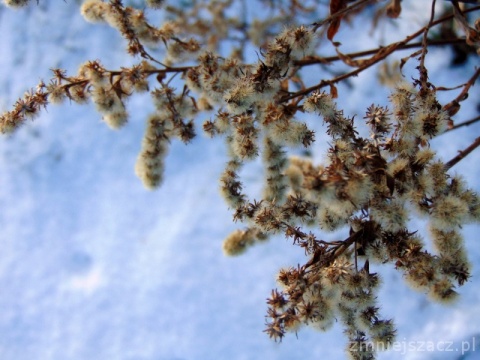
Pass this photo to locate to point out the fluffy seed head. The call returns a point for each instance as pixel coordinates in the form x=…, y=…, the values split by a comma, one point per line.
x=94, y=10
x=449, y=212
x=238, y=242
x=240, y=97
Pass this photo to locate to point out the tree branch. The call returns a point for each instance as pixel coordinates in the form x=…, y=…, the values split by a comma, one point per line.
x=328, y=59
x=338, y=14
x=462, y=154
x=379, y=56
x=422, y=68
x=465, y=123
x=453, y=106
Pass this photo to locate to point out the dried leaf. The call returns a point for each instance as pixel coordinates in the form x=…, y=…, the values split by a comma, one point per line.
x=379, y=55
x=333, y=28
x=333, y=91
x=335, y=6
x=349, y=61
x=452, y=107
x=394, y=9
x=472, y=35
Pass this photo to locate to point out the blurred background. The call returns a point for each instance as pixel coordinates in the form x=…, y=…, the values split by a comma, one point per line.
x=93, y=266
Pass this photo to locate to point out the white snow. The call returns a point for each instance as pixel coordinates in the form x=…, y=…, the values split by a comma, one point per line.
x=93, y=266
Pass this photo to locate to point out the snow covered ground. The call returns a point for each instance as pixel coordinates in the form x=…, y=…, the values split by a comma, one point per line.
x=93, y=266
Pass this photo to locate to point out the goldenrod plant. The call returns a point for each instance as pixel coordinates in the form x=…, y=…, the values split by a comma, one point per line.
x=255, y=78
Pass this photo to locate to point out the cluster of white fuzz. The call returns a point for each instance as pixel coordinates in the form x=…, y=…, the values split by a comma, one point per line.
x=97, y=11
x=337, y=292
x=150, y=163
x=370, y=185
x=373, y=186
x=106, y=90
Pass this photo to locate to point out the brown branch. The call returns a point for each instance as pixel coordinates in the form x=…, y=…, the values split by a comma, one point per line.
x=329, y=59
x=422, y=68
x=324, y=258
x=453, y=106
x=381, y=55
x=462, y=154
x=465, y=123
x=406, y=46
x=341, y=13
x=179, y=69
x=135, y=46
x=338, y=14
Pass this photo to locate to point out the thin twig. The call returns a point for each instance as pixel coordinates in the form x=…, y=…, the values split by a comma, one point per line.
x=179, y=69
x=329, y=59
x=422, y=68
x=453, y=106
x=387, y=50
x=462, y=154
x=316, y=25
x=462, y=124
x=135, y=46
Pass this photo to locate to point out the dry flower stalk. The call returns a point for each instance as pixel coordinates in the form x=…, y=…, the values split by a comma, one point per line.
x=371, y=186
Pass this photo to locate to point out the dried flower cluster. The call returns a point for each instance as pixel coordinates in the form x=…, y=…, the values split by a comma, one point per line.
x=372, y=186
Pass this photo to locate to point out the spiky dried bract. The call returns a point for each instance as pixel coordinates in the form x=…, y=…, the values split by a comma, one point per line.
x=322, y=294
x=268, y=218
x=402, y=101
x=28, y=107
x=278, y=54
x=432, y=122
x=300, y=41
x=378, y=118
x=56, y=93
x=9, y=122
x=379, y=177
x=321, y=103
x=275, y=161
x=240, y=97
x=135, y=78
x=94, y=72
x=231, y=187
x=244, y=137
x=383, y=333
